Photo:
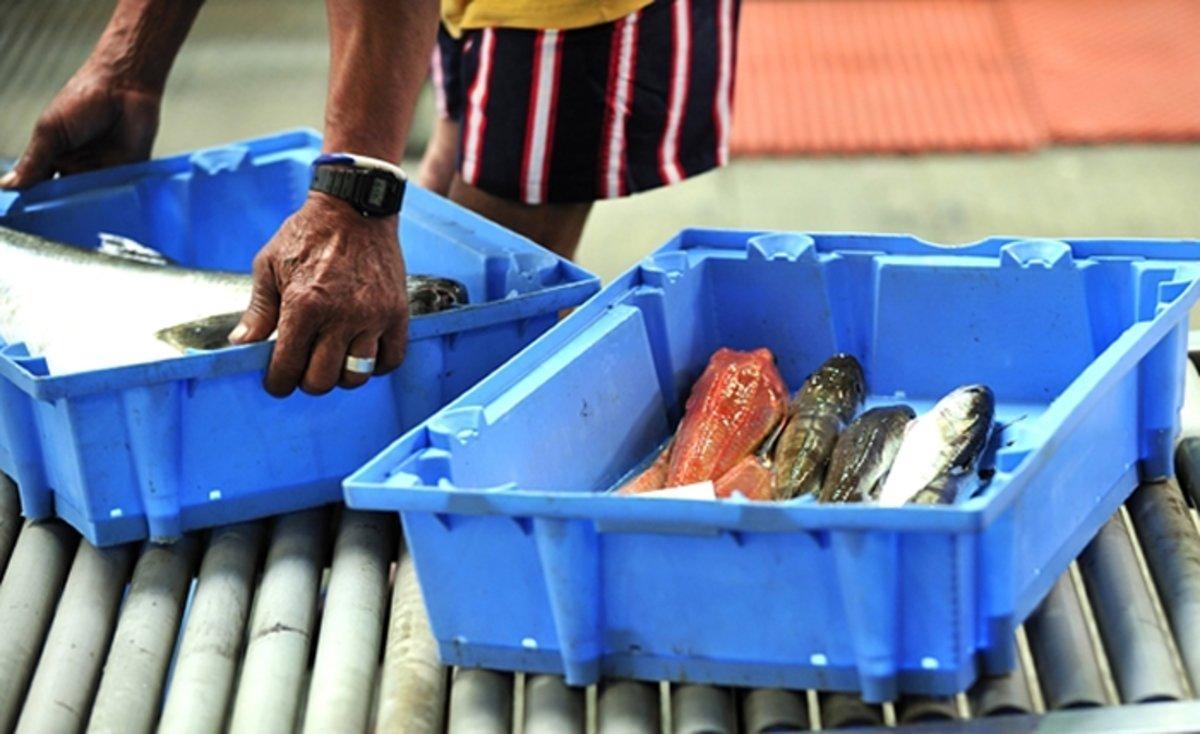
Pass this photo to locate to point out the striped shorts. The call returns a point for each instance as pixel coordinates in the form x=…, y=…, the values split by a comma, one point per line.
x=593, y=113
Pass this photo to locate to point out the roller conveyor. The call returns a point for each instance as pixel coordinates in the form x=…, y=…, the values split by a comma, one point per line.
x=313, y=622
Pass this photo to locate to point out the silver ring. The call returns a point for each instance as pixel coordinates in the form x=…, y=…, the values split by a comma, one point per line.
x=360, y=365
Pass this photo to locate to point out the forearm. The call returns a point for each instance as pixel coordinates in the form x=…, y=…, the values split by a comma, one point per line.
x=379, y=53
x=141, y=40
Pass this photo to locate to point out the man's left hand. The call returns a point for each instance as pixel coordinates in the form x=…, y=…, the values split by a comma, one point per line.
x=333, y=282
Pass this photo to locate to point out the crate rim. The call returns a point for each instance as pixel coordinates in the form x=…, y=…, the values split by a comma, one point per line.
x=368, y=487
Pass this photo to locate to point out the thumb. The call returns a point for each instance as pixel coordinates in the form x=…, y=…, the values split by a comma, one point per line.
x=37, y=163
x=262, y=316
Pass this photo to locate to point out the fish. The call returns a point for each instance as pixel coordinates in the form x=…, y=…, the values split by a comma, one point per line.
x=825, y=403
x=85, y=309
x=752, y=476
x=939, y=448
x=652, y=477
x=864, y=453
x=735, y=405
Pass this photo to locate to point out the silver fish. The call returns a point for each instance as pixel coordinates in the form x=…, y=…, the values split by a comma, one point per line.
x=939, y=448
x=85, y=310
x=864, y=453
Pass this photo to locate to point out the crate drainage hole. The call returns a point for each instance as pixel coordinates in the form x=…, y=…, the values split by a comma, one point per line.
x=818, y=659
x=529, y=643
x=929, y=663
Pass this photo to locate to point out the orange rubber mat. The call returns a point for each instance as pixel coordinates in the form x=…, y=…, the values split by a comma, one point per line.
x=884, y=76
x=1109, y=70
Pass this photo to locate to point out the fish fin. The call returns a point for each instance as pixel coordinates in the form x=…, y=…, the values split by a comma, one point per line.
x=202, y=335
x=126, y=248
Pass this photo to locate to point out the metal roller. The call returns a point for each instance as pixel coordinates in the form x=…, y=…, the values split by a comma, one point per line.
x=1003, y=695
x=1135, y=639
x=339, y=697
x=28, y=594
x=281, y=626
x=131, y=687
x=699, y=709
x=1187, y=466
x=412, y=689
x=628, y=707
x=843, y=710
x=925, y=709
x=60, y=696
x=480, y=702
x=1068, y=670
x=774, y=710
x=10, y=519
x=551, y=706
x=1172, y=548
x=201, y=683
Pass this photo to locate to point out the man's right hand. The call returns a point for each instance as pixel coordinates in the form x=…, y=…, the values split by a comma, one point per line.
x=97, y=120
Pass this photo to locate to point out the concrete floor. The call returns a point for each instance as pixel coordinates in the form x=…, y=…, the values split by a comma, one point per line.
x=256, y=66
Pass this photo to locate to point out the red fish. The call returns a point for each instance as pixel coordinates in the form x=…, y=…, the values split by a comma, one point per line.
x=654, y=477
x=733, y=408
x=752, y=476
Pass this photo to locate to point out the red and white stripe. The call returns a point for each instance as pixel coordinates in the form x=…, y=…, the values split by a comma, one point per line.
x=539, y=128
x=622, y=63
x=477, y=108
x=668, y=152
x=723, y=101
x=438, y=79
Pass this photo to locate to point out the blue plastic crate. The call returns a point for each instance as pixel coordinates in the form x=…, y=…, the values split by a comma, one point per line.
x=161, y=448
x=527, y=563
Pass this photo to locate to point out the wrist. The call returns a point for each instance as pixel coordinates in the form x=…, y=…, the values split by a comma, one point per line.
x=343, y=214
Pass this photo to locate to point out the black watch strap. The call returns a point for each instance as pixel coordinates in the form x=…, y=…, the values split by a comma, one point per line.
x=372, y=192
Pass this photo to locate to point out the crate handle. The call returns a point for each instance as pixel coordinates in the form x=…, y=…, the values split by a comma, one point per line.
x=1050, y=254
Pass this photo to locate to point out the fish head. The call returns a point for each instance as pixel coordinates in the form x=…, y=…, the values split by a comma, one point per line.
x=839, y=383
x=204, y=334
x=965, y=417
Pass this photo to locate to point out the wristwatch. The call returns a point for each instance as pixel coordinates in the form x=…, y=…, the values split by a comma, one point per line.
x=373, y=187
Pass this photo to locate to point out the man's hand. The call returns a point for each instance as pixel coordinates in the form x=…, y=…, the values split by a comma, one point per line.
x=94, y=122
x=333, y=283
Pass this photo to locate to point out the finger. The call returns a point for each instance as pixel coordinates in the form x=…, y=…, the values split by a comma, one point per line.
x=297, y=333
x=364, y=346
x=392, y=346
x=326, y=364
x=262, y=316
x=38, y=160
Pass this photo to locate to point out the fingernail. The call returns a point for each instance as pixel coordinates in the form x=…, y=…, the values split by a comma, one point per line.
x=7, y=179
x=238, y=333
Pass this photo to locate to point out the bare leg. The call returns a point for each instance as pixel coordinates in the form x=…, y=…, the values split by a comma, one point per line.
x=556, y=227
x=437, y=165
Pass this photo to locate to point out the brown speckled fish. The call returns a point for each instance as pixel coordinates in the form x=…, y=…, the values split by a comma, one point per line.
x=733, y=408
x=825, y=403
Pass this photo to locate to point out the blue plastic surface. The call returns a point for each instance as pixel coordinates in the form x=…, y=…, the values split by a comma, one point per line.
x=527, y=563
x=158, y=449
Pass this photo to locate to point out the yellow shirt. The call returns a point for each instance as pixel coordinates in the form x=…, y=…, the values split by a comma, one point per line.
x=534, y=14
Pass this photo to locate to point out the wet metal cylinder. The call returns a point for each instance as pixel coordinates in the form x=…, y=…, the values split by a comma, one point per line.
x=480, y=702
x=201, y=685
x=281, y=626
x=700, y=709
x=628, y=707
x=551, y=706
x=351, y=636
x=774, y=710
x=1187, y=466
x=1068, y=670
x=10, y=519
x=134, y=672
x=843, y=710
x=60, y=696
x=1171, y=546
x=925, y=709
x=1135, y=640
x=413, y=685
x=1002, y=695
x=28, y=594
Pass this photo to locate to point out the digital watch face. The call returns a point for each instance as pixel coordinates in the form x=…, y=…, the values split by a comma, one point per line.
x=378, y=192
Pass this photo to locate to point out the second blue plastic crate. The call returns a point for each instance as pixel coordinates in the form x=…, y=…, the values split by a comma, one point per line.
x=528, y=563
